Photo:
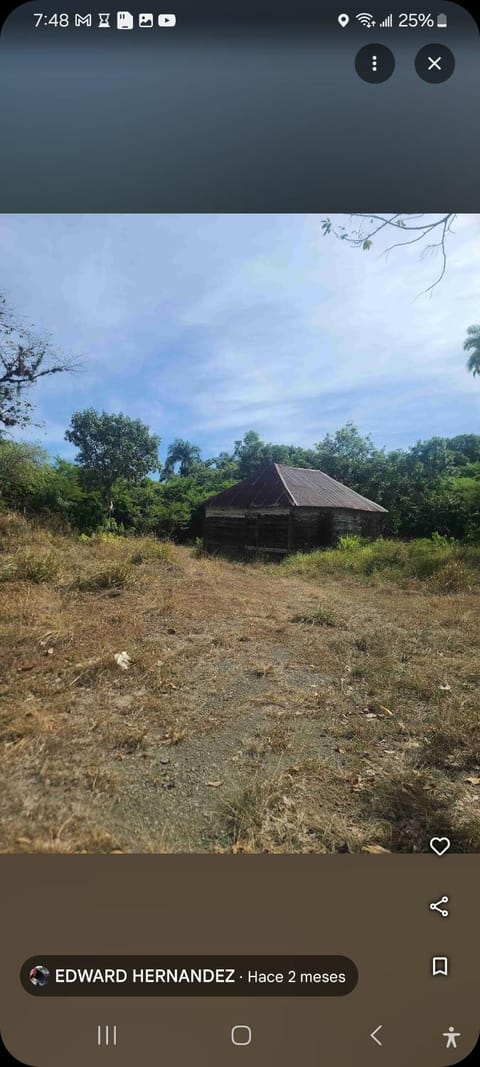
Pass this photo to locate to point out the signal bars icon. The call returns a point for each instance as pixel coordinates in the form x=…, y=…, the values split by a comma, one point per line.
x=387, y=23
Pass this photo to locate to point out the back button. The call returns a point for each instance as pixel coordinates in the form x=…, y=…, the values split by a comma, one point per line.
x=374, y=1033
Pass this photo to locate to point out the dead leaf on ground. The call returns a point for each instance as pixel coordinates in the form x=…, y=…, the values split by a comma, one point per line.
x=264, y=669
x=122, y=659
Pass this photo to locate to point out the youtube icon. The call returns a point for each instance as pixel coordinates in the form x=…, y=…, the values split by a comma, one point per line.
x=167, y=20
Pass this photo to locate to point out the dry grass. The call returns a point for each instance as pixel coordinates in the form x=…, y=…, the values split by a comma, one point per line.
x=111, y=576
x=259, y=711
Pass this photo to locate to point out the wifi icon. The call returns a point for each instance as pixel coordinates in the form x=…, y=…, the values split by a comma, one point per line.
x=366, y=20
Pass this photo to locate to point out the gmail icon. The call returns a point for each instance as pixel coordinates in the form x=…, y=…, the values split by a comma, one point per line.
x=83, y=20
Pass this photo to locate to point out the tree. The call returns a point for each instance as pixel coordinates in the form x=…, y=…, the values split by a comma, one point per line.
x=112, y=447
x=250, y=453
x=24, y=359
x=22, y=473
x=434, y=485
x=472, y=345
x=465, y=448
x=182, y=454
x=224, y=464
x=422, y=226
x=346, y=456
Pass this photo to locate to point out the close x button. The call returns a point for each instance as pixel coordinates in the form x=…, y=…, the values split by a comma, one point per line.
x=435, y=63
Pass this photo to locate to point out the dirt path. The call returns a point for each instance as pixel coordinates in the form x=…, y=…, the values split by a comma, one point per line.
x=258, y=711
x=242, y=707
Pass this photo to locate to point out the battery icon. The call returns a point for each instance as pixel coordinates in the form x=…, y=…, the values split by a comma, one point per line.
x=442, y=22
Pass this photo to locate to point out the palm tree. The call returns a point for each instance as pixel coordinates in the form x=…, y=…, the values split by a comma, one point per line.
x=472, y=344
x=182, y=453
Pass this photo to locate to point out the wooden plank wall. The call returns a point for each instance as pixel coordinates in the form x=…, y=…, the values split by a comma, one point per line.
x=360, y=523
x=346, y=522
x=282, y=530
x=251, y=529
x=307, y=523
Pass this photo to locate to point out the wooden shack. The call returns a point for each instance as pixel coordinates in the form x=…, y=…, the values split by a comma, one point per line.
x=287, y=509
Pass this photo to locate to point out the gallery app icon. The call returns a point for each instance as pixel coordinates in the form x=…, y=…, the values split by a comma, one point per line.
x=145, y=20
x=166, y=21
x=124, y=20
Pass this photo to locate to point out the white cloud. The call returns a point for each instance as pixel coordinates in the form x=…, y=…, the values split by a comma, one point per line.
x=212, y=324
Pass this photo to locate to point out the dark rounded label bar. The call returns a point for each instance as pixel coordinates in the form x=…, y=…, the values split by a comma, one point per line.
x=189, y=976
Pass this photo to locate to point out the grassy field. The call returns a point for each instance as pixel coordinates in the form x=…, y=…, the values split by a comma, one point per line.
x=327, y=704
x=438, y=565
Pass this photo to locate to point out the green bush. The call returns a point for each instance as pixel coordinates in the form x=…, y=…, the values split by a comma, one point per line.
x=350, y=543
x=444, y=564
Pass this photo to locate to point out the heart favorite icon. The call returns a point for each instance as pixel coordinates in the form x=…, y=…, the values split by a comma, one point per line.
x=440, y=845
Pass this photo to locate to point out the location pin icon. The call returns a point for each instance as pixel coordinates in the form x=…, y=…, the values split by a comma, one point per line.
x=343, y=20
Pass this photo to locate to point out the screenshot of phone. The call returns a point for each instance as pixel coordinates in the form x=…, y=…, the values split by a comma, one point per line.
x=239, y=535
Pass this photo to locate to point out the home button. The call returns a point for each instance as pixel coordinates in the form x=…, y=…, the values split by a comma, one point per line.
x=241, y=1035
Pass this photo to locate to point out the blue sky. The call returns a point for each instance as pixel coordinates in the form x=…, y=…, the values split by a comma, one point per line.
x=206, y=326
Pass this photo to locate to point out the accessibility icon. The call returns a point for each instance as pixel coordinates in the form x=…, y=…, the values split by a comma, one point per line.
x=451, y=1036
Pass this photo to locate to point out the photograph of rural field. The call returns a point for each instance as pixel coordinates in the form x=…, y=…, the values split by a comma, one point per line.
x=239, y=533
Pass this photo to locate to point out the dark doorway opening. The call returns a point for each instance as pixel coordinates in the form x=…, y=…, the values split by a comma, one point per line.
x=325, y=530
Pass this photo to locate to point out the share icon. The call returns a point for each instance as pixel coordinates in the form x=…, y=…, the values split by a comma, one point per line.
x=437, y=906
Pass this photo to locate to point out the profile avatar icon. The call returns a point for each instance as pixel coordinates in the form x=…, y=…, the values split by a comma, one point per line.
x=39, y=975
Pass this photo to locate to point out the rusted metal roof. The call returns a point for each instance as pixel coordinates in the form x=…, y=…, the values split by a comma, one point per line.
x=312, y=488
x=277, y=485
x=264, y=489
